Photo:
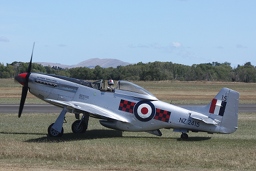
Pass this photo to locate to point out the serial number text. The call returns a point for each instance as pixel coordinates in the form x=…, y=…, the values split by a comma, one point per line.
x=189, y=122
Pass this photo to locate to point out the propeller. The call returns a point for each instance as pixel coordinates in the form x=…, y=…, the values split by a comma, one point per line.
x=23, y=79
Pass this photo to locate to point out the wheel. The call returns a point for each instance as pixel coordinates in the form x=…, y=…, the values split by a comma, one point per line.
x=78, y=127
x=53, y=133
x=184, y=136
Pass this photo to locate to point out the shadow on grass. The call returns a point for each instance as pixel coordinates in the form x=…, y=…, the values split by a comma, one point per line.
x=101, y=134
x=172, y=138
x=195, y=139
x=91, y=134
x=95, y=134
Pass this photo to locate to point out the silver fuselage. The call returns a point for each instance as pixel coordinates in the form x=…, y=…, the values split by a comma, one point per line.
x=51, y=87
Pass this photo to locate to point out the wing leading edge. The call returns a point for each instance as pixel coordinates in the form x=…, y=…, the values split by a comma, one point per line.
x=90, y=108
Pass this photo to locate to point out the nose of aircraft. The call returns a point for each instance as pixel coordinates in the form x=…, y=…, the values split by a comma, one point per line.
x=21, y=78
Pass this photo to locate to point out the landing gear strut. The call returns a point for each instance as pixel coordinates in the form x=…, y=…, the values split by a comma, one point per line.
x=56, y=129
x=80, y=126
x=184, y=136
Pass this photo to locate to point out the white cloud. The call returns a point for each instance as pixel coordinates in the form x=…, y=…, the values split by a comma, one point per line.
x=176, y=44
x=150, y=46
x=157, y=46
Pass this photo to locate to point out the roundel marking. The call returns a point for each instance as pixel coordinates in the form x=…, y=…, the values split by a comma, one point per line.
x=144, y=110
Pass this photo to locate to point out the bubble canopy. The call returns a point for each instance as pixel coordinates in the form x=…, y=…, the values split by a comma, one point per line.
x=128, y=86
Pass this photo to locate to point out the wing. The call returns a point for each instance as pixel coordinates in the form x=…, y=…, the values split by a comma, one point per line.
x=204, y=118
x=90, y=108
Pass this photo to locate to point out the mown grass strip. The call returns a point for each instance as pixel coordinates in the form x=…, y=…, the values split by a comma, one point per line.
x=24, y=143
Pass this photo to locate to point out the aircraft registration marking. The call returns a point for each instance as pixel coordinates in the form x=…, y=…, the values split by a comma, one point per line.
x=191, y=122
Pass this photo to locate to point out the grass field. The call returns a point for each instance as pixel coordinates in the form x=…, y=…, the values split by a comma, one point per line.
x=24, y=144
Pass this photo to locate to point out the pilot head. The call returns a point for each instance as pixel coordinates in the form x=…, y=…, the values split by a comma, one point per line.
x=110, y=82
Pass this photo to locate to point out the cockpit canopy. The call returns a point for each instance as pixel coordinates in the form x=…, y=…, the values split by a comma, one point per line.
x=131, y=87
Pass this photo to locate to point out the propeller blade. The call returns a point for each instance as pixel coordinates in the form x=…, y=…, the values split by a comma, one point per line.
x=30, y=63
x=25, y=84
x=23, y=99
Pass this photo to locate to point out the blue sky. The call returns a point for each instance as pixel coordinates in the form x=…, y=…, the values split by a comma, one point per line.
x=181, y=31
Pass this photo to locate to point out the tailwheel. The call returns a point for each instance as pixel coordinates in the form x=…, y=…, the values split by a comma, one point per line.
x=79, y=126
x=53, y=133
x=184, y=136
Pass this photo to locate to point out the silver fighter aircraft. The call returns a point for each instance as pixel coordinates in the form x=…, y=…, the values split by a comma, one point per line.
x=128, y=108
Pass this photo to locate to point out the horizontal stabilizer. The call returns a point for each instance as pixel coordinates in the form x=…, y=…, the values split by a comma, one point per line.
x=204, y=118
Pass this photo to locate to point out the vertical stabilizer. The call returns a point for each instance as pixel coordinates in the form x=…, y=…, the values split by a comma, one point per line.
x=224, y=108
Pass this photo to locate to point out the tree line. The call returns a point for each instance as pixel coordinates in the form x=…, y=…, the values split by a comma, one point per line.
x=152, y=71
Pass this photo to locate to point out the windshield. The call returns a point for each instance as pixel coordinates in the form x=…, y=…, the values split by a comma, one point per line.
x=128, y=86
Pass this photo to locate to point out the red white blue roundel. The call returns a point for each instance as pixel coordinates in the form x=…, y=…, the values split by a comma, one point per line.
x=144, y=110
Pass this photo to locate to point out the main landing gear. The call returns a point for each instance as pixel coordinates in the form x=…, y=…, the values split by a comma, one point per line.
x=184, y=136
x=79, y=126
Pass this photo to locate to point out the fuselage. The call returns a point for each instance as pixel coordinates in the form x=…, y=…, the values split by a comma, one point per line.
x=143, y=110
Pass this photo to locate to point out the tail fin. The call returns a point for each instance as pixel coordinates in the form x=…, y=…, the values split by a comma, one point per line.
x=224, y=108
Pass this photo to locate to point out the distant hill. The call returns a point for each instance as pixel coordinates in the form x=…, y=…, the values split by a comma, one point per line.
x=90, y=63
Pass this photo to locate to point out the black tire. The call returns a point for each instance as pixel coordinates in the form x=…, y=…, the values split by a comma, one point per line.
x=54, y=133
x=78, y=127
x=184, y=136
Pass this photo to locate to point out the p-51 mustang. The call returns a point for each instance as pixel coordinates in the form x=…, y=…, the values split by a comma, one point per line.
x=128, y=108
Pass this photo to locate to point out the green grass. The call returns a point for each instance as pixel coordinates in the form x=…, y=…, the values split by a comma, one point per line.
x=24, y=144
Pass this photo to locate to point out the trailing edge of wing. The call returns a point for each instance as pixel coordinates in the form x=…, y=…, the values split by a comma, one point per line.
x=204, y=118
x=90, y=108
